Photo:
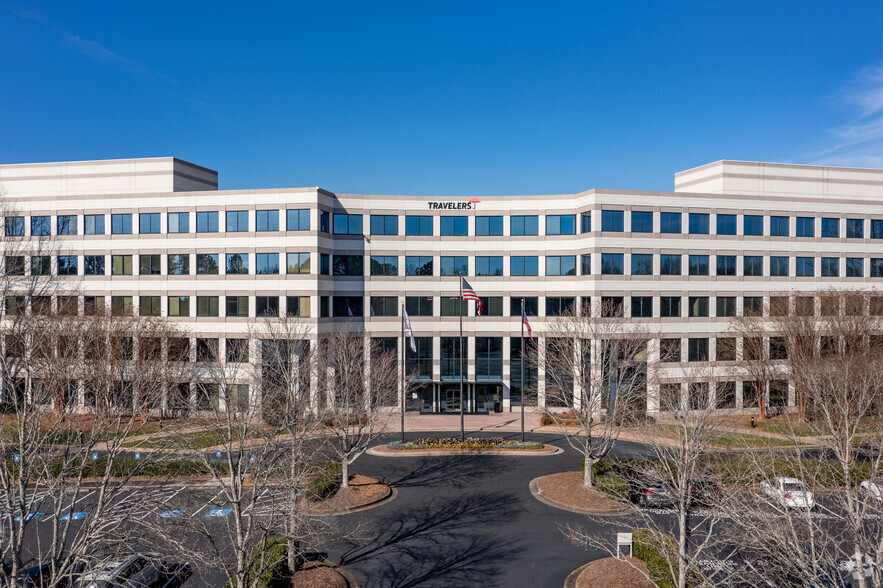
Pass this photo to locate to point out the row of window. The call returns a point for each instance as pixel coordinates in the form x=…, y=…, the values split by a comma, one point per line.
x=422, y=225
x=642, y=264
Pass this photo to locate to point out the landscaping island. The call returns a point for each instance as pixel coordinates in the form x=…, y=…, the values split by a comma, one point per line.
x=470, y=446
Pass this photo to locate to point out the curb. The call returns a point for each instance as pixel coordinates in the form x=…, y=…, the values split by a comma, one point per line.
x=570, y=580
x=393, y=493
x=384, y=451
x=535, y=490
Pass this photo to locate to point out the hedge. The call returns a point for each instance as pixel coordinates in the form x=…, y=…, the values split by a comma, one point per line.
x=326, y=482
x=267, y=565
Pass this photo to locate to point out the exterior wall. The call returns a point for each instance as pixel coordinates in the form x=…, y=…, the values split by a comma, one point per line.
x=154, y=186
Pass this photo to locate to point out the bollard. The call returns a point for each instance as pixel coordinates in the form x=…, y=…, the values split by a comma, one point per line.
x=752, y=422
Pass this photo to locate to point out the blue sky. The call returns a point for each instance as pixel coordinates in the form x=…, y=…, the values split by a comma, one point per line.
x=443, y=98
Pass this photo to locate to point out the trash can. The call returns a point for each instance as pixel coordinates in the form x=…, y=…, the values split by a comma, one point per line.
x=498, y=407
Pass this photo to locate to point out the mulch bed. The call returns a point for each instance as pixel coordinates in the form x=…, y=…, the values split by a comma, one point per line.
x=567, y=488
x=611, y=572
x=361, y=492
x=317, y=574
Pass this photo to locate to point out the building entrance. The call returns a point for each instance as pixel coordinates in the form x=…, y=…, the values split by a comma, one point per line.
x=445, y=397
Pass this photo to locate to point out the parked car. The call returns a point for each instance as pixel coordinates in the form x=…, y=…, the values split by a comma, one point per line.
x=872, y=488
x=788, y=492
x=38, y=576
x=141, y=570
x=650, y=492
x=705, y=493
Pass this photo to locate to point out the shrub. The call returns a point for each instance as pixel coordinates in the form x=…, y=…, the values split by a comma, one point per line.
x=646, y=546
x=468, y=443
x=267, y=564
x=326, y=482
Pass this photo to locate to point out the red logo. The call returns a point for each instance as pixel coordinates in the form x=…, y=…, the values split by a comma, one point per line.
x=473, y=202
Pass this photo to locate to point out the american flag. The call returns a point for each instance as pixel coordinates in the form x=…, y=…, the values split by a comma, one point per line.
x=526, y=324
x=469, y=294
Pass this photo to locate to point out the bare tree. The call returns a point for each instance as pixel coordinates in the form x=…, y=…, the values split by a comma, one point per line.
x=596, y=369
x=751, y=330
x=360, y=385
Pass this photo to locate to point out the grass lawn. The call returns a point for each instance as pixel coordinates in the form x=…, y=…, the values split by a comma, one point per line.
x=727, y=439
x=194, y=440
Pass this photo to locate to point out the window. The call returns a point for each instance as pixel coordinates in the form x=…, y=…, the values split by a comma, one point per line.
x=585, y=265
x=207, y=222
x=266, y=305
x=237, y=263
x=348, y=306
x=235, y=305
x=488, y=358
x=449, y=306
x=698, y=306
x=524, y=225
x=453, y=266
x=297, y=306
x=418, y=265
x=491, y=305
x=642, y=222
x=150, y=265
x=698, y=223
x=531, y=305
x=611, y=220
x=384, y=265
x=268, y=263
x=454, y=226
x=93, y=305
x=486, y=226
x=697, y=349
x=803, y=305
x=179, y=305
x=93, y=265
x=148, y=223
x=670, y=350
x=642, y=306
x=237, y=221
x=726, y=224
x=382, y=224
x=67, y=265
x=778, y=349
x=121, y=224
x=298, y=219
x=41, y=226
x=877, y=267
x=179, y=264
x=384, y=306
x=149, y=305
x=325, y=264
x=66, y=224
x=206, y=349
x=855, y=267
x=642, y=264
x=752, y=305
x=324, y=223
x=560, y=224
x=753, y=224
x=670, y=222
x=670, y=265
x=586, y=222
x=830, y=267
x=670, y=306
x=297, y=263
x=419, y=363
x=266, y=220
x=831, y=227
x=877, y=229
x=726, y=265
x=121, y=306
x=698, y=265
x=418, y=305
x=725, y=350
x=752, y=265
x=179, y=222
x=347, y=224
x=68, y=305
x=557, y=305
x=560, y=265
x=121, y=265
x=779, y=226
x=778, y=266
x=206, y=263
x=527, y=265
x=612, y=263
x=14, y=226
x=611, y=306
x=488, y=266
x=726, y=306
x=806, y=226
x=41, y=265
x=805, y=266
x=15, y=265
x=418, y=225
x=855, y=228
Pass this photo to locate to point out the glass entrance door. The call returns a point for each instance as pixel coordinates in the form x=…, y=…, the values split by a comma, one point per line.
x=450, y=398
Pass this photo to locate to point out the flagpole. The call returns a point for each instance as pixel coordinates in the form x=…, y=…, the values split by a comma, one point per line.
x=403, y=372
x=462, y=408
x=523, y=387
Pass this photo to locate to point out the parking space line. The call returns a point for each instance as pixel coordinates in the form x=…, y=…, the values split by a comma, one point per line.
x=154, y=509
x=208, y=503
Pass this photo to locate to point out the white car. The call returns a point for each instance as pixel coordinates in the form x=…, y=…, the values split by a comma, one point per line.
x=136, y=571
x=872, y=488
x=789, y=492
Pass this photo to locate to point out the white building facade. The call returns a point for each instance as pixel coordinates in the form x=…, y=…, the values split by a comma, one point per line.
x=156, y=237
